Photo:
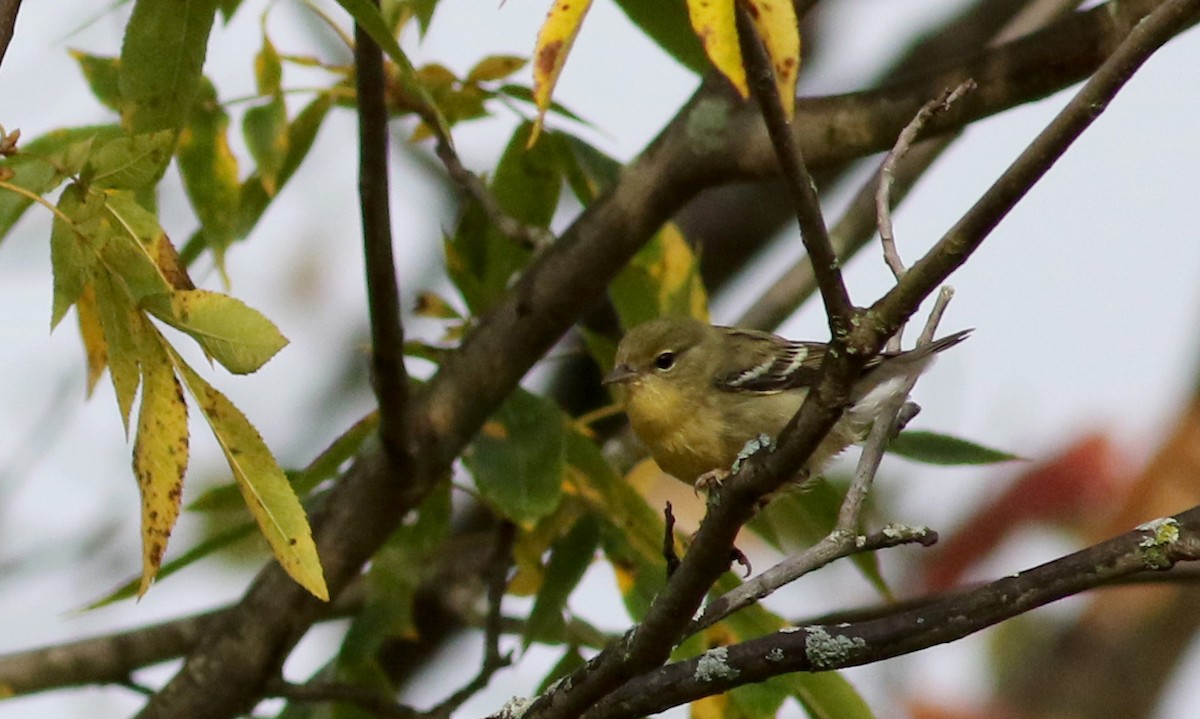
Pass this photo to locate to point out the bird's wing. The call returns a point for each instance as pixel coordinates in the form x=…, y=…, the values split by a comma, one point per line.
x=766, y=363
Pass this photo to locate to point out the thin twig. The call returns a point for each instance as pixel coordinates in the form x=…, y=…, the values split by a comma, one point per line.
x=383, y=292
x=799, y=182
x=669, y=553
x=884, y=429
x=529, y=236
x=832, y=547
x=887, y=171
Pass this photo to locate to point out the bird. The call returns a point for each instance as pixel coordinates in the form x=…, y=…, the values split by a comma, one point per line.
x=699, y=395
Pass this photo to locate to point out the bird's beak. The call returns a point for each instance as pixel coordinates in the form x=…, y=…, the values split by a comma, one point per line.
x=620, y=374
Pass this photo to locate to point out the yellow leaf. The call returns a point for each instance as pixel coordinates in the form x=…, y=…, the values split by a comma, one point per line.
x=714, y=22
x=678, y=273
x=237, y=336
x=92, y=332
x=713, y=707
x=264, y=487
x=553, y=44
x=122, y=327
x=160, y=452
x=776, y=25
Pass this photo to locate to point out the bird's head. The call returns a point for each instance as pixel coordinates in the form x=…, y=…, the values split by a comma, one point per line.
x=657, y=357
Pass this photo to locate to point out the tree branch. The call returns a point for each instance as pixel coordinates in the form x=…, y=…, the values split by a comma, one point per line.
x=383, y=292
x=822, y=647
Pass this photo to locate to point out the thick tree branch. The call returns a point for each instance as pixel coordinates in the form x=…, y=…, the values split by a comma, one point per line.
x=1155, y=546
x=710, y=141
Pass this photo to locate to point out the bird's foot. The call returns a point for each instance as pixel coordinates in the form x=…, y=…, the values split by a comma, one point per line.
x=710, y=481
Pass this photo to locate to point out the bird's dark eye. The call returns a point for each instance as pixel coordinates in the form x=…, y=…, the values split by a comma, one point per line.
x=665, y=361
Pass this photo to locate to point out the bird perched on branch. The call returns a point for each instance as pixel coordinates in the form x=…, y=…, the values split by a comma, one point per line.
x=696, y=394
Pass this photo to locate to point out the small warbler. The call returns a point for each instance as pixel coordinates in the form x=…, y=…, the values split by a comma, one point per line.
x=696, y=394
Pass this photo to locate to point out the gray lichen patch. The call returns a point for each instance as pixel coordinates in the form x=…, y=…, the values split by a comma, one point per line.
x=825, y=650
x=1161, y=534
x=714, y=665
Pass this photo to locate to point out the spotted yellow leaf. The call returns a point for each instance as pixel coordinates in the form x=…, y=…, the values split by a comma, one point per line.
x=160, y=452
x=553, y=44
x=776, y=25
x=715, y=23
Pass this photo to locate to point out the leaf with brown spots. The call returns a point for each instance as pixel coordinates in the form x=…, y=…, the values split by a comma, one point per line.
x=776, y=25
x=550, y=54
x=160, y=452
x=714, y=22
x=237, y=336
x=270, y=498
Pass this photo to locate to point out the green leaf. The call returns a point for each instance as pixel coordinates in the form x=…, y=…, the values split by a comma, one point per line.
x=278, y=512
x=75, y=246
x=253, y=198
x=102, y=75
x=395, y=12
x=122, y=326
x=161, y=60
x=667, y=24
x=44, y=163
x=481, y=261
x=131, y=162
x=268, y=70
x=238, y=337
x=569, y=559
x=131, y=248
x=209, y=168
x=518, y=457
x=266, y=130
x=228, y=8
x=495, y=67
x=589, y=171
x=942, y=449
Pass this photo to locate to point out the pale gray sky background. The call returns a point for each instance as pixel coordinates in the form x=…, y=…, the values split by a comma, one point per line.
x=1084, y=302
